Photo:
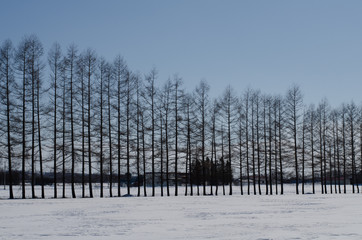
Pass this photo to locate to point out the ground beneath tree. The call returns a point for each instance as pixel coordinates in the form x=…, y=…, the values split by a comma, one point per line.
x=289, y=216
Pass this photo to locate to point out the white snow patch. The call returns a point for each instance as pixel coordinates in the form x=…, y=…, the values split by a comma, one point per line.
x=332, y=216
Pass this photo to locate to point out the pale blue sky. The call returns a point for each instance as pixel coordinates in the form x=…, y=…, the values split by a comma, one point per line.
x=267, y=45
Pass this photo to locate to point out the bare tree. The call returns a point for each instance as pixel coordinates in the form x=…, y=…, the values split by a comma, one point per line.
x=161, y=150
x=7, y=85
x=228, y=108
x=34, y=68
x=311, y=114
x=90, y=65
x=166, y=108
x=253, y=99
x=294, y=102
x=336, y=119
x=70, y=62
x=270, y=140
x=201, y=100
x=22, y=58
x=240, y=133
x=303, y=149
x=280, y=140
x=143, y=126
x=247, y=97
x=110, y=92
x=214, y=115
x=257, y=114
x=102, y=65
x=265, y=103
x=177, y=95
x=63, y=116
x=351, y=124
x=188, y=104
x=150, y=99
x=39, y=68
x=81, y=77
x=322, y=118
x=138, y=85
x=120, y=69
x=54, y=60
x=344, y=110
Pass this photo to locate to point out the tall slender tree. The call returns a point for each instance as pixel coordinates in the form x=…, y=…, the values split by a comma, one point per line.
x=120, y=69
x=70, y=63
x=201, y=100
x=22, y=59
x=54, y=60
x=34, y=67
x=81, y=77
x=280, y=140
x=166, y=108
x=150, y=98
x=177, y=96
x=128, y=105
x=138, y=131
x=294, y=102
x=39, y=68
x=90, y=65
x=230, y=103
x=63, y=116
x=240, y=133
x=102, y=65
x=7, y=85
x=311, y=113
x=265, y=103
x=246, y=100
x=109, y=91
x=351, y=124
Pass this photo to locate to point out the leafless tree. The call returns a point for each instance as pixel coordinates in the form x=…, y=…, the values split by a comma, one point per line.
x=90, y=67
x=177, y=96
x=201, y=104
x=150, y=99
x=7, y=86
x=54, y=60
x=70, y=63
x=120, y=70
x=294, y=100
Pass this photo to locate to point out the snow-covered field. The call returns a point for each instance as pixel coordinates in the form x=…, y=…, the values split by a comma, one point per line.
x=289, y=216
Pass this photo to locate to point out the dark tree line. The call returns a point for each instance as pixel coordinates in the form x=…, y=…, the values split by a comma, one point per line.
x=73, y=117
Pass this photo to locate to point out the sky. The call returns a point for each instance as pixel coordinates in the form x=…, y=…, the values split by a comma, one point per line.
x=266, y=45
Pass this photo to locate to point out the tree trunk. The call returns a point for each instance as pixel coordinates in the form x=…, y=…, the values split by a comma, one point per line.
x=55, y=127
x=161, y=153
x=110, y=137
x=344, y=151
x=101, y=133
x=24, y=60
x=6, y=55
x=280, y=148
x=270, y=149
x=247, y=140
x=89, y=131
x=32, y=128
x=265, y=152
x=39, y=137
x=72, y=122
x=144, y=157
x=63, y=138
x=312, y=147
x=83, y=136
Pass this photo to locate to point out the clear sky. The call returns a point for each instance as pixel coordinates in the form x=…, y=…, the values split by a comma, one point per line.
x=266, y=45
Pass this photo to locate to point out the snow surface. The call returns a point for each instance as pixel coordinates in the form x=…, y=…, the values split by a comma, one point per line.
x=290, y=216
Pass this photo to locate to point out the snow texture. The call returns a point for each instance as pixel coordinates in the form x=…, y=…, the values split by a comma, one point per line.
x=290, y=216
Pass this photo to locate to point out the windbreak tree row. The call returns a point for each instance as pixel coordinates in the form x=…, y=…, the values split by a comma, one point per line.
x=73, y=118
